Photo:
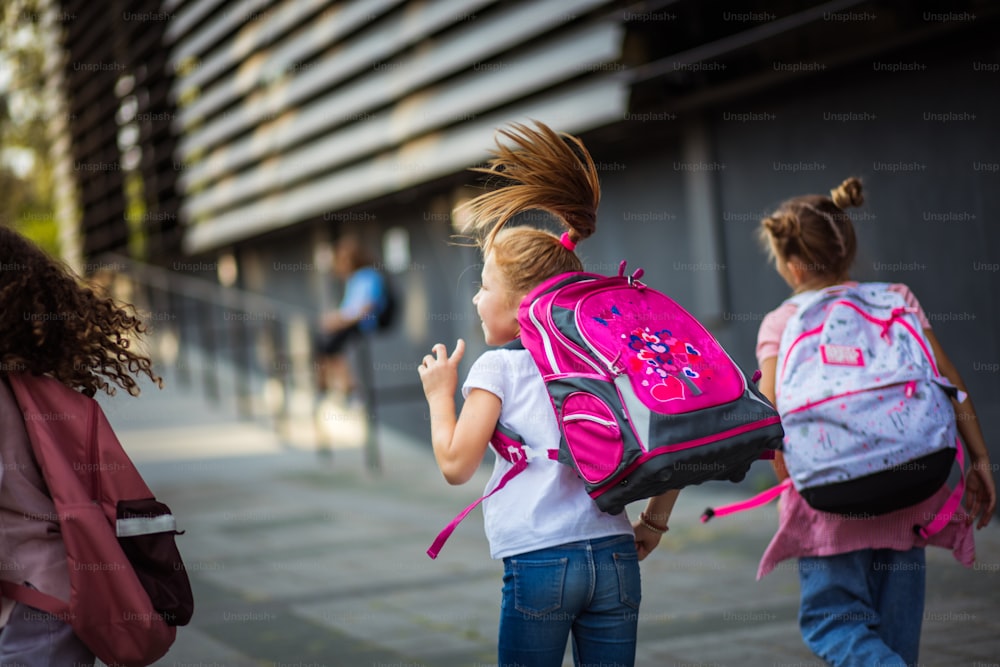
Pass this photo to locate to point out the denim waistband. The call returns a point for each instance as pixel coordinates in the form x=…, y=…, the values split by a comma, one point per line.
x=594, y=544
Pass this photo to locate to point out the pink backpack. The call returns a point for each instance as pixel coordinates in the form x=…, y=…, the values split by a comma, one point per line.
x=128, y=584
x=645, y=397
x=869, y=425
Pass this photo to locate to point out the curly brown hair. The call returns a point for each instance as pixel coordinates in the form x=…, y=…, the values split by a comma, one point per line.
x=54, y=325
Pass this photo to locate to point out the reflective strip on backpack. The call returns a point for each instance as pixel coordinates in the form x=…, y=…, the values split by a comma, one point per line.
x=638, y=414
x=145, y=525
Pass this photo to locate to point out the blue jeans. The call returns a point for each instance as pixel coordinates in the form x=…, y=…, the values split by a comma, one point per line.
x=589, y=589
x=34, y=638
x=864, y=608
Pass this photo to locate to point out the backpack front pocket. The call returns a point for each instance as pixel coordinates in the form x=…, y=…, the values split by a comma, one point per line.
x=593, y=436
x=146, y=530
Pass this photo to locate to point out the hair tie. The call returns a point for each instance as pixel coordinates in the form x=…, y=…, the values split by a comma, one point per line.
x=567, y=242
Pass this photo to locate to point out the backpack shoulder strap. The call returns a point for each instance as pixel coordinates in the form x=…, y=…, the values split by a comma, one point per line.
x=35, y=598
x=57, y=444
x=505, y=442
x=952, y=505
x=761, y=498
x=509, y=446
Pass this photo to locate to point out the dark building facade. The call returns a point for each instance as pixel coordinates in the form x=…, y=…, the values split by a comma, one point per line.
x=293, y=123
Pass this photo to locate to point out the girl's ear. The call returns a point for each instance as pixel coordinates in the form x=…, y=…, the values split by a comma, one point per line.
x=796, y=271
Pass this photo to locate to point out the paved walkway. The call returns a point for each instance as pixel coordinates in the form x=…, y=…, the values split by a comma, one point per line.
x=305, y=560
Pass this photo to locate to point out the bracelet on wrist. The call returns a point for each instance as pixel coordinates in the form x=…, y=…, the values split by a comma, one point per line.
x=644, y=520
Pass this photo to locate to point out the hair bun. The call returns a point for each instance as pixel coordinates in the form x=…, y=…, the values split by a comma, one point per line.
x=848, y=194
x=783, y=225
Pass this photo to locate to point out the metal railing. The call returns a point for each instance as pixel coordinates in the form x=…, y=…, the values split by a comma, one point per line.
x=231, y=342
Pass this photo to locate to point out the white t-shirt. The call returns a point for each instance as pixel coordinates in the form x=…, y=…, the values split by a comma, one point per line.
x=547, y=504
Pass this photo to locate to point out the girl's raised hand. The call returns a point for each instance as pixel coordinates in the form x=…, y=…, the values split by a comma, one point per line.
x=439, y=372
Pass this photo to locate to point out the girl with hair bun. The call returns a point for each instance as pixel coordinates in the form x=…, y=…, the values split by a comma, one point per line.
x=862, y=577
x=569, y=568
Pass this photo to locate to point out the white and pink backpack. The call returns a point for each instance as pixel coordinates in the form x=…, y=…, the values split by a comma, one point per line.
x=646, y=398
x=869, y=424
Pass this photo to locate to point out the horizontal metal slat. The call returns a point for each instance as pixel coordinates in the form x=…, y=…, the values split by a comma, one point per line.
x=598, y=101
x=194, y=15
x=252, y=16
x=530, y=71
x=454, y=52
x=399, y=31
x=339, y=21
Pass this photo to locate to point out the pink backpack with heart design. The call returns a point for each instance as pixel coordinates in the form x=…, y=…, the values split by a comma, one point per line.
x=646, y=399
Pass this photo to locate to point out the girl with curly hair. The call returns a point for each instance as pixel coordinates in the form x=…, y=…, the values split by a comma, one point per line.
x=52, y=325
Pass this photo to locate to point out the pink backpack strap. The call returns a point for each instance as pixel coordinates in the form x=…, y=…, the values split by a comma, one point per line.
x=761, y=498
x=443, y=536
x=508, y=446
x=951, y=505
x=941, y=519
x=35, y=598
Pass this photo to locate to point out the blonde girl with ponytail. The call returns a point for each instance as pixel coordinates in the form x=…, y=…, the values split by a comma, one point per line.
x=570, y=570
x=862, y=578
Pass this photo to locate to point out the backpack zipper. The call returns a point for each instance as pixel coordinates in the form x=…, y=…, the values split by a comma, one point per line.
x=547, y=344
x=909, y=390
x=895, y=318
x=591, y=418
x=615, y=372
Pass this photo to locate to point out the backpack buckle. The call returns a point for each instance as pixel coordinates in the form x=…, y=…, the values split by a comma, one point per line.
x=633, y=280
x=615, y=368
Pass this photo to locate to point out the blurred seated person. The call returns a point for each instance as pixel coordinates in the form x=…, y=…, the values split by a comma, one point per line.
x=364, y=302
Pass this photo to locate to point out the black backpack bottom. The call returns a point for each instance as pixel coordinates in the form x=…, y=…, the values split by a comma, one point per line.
x=887, y=491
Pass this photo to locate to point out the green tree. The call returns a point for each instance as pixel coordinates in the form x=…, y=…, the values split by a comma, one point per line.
x=26, y=171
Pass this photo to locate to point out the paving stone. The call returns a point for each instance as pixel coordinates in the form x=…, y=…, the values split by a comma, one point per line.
x=305, y=560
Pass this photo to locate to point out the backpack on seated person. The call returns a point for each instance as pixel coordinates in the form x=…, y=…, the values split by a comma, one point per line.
x=645, y=397
x=128, y=585
x=387, y=312
x=869, y=424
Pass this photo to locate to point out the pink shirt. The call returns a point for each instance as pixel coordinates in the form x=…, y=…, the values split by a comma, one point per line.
x=804, y=531
x=31, y=546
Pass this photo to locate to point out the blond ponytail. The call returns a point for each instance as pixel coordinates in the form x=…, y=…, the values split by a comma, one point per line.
x=537, y=169
x=540, y=169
